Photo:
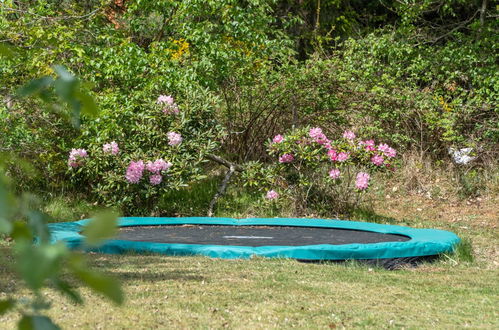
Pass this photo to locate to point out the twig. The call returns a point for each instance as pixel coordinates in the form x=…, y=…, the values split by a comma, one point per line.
x=221, y=189
x=224, y=162
x=86, y=16
x=458, y=27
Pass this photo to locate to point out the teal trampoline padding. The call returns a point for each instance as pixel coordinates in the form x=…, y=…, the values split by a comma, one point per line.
x=423, y=242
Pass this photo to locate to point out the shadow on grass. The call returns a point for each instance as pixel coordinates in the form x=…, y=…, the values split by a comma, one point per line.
x=158, y=276
x=144, y=267
x=387, y=264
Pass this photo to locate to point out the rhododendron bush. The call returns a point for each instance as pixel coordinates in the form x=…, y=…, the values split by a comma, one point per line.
x=132, y=155
x=318, y=171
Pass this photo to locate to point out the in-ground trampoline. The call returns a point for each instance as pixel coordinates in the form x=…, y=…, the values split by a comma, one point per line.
x=302, y=239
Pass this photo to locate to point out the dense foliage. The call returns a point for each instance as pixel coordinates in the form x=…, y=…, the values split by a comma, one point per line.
x=177, y=81
x=134, y=155
x=329, y=175
x=421, y=74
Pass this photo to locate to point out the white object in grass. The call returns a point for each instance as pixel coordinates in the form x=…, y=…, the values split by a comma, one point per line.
x=461, y=156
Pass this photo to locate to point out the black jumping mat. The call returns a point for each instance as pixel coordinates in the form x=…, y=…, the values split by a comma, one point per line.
x=253, y=235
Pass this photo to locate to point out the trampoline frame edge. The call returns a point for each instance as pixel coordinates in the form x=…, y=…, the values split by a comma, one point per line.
x=423, y=242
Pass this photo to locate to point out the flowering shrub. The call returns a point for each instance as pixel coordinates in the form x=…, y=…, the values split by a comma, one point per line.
x=135, y=171
x=170, y=107
x=131, y=157
x=272, y=194
x=174, y=139
x=111, y=148
x=77, y=157
x=313, y=170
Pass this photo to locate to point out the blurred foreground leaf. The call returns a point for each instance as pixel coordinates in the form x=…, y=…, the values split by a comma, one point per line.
x=36, y=322
x=36, y=263
x=101, y=227
x=88, y=105
x=35, y=86
x=20, y=231
x=5, y=226
x=38, y=223
x=99, y=282
x=5, y=305
x=66, y=289
x=6, y=203
x=67, y=88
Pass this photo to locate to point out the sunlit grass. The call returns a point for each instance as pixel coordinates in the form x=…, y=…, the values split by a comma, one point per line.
x=192, y=292
x=458, y=290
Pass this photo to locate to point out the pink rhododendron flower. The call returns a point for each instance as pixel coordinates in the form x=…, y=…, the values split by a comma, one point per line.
x=165, y=99
x=387, y=150
x=334, y=173
x=174, y=139
x=349, y=135
x=315, y=132
x=391, y=152
x=286, y=158
x=342, y=156
x=271, y=194
x=278, y=138
x=333, y=155
x=171, y=110
x=135, y=171
x=158, y=165
x=155, y=179
x=377, y=160
x=111, y=148
x=323, y=140
x=318, y=136
x=369, y=145
x=77, y=157
x=362, y=180
x=170, y=106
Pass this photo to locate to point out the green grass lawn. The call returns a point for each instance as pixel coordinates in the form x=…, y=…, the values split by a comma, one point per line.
x=199, y=292
x=209, y=293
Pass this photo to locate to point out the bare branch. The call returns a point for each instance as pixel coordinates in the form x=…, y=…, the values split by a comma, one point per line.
x=224, y=162
x=86, y=16
x=221, y=189
x=483, y=9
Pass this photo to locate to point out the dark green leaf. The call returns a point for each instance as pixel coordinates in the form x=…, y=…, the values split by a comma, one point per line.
x=5, y=204
x=75, y=114
x=40, y=303
x=36, y=322
x=37, y=221
x=35, y=86
x=5, y=305
x=21, y=231
x=98, y=282
x=65, y=288
x=64, y=74
x=5, y=226
x=36, y=263
x=65, y=89
x=101, y=227
x=88, y=105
